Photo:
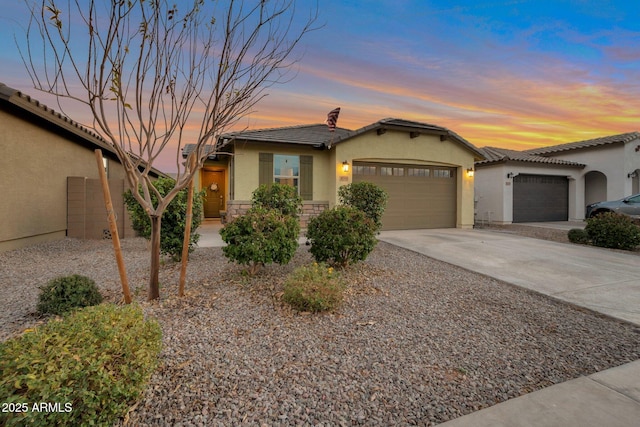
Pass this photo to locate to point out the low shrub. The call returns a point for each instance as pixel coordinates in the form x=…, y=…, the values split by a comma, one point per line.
x=341, y=236
x=578, y=235
x=63, y=294
x=314, y=288
x=92, y=365
x=173, y=222
x=260, y=237
x=613, y=230
x=281, y=197
x=366, y=196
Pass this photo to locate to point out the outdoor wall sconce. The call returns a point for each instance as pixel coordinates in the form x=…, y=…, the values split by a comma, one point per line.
x=470, y=172
x=510, y=175
x=632, y=174
x=345, y=166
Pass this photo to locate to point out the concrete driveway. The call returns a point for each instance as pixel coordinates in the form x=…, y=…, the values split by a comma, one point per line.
x=599, y=279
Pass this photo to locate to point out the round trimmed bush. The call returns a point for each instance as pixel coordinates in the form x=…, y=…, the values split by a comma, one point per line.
x=341, y=236
x=95, y=363
x=259, y=237
x=281, y=197
x=64, y=294
x=613, y=230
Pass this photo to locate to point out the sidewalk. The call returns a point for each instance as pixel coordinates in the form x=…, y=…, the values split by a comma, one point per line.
x=209, y=231
x=609, y=398
x=599, y=279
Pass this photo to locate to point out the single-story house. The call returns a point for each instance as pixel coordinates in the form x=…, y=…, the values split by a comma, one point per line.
x=555, y=183
x=50, y=184
x=426, y=169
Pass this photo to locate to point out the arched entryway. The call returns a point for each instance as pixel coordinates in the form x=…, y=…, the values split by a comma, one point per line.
x=595, y=187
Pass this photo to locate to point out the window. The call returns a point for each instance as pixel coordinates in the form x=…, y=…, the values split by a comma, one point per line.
x=364, y=170
x=389, y=171
x=286, y=170
x=442, y=173
x=635, y=199
x=417, y=172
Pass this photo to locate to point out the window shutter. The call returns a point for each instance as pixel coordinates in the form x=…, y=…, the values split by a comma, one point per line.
x=265, y=169
x=306, y=177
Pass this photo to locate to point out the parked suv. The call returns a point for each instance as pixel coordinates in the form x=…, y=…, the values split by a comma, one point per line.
x=627, y=206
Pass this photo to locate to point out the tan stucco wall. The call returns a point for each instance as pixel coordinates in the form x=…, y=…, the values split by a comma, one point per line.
x=246, y=160
x=35, y=164
x=391, y=147
x=398, y=147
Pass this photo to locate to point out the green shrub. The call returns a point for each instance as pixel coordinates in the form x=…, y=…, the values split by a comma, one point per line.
x=366, y=196
x=63, y=294
x=578, y=235
x=173, y=221
x=281, y=197
x=613, y=230
x=341, y=236
x=314, y=288
x=94, y=363
x=261, y=237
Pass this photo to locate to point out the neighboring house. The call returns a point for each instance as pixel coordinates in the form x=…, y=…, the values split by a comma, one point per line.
x=49, y=183
x=426, y=170
x=555, y=183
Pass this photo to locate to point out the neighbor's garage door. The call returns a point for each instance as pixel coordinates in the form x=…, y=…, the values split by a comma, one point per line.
x=540, y=198
x=419, y=196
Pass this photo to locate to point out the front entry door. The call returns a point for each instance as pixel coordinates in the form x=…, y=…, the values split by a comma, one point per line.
x=213, y=184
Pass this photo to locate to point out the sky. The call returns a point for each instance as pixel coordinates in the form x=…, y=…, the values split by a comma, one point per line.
x=511, y=74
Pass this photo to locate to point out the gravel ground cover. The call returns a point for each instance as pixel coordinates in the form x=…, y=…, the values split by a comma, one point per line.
x=417, y=342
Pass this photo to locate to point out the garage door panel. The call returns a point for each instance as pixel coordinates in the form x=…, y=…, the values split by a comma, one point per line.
x=538, y=198
x=421, y=201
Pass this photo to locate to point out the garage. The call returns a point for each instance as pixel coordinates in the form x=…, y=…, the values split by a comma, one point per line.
x=419, y=196
x=538, y=198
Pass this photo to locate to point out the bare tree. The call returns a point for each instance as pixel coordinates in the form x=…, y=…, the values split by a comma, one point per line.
x=147, y=70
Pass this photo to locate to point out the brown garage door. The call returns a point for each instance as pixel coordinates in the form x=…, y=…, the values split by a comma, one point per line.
x=419, y=196
x=540, y=198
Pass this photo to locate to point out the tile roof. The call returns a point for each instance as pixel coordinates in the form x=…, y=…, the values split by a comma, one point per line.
x=318, y=135
x=501, y=155
x=188, y=148
x=623, y=138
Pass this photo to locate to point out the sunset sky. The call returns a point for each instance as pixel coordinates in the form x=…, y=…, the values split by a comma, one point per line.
x=512, y=74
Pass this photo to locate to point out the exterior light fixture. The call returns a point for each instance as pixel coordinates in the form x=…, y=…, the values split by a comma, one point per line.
x=632, y=174
x=345, y=166
x=470, y=172
x=510, y=175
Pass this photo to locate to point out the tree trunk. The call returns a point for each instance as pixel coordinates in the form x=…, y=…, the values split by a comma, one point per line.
x=154, y=283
